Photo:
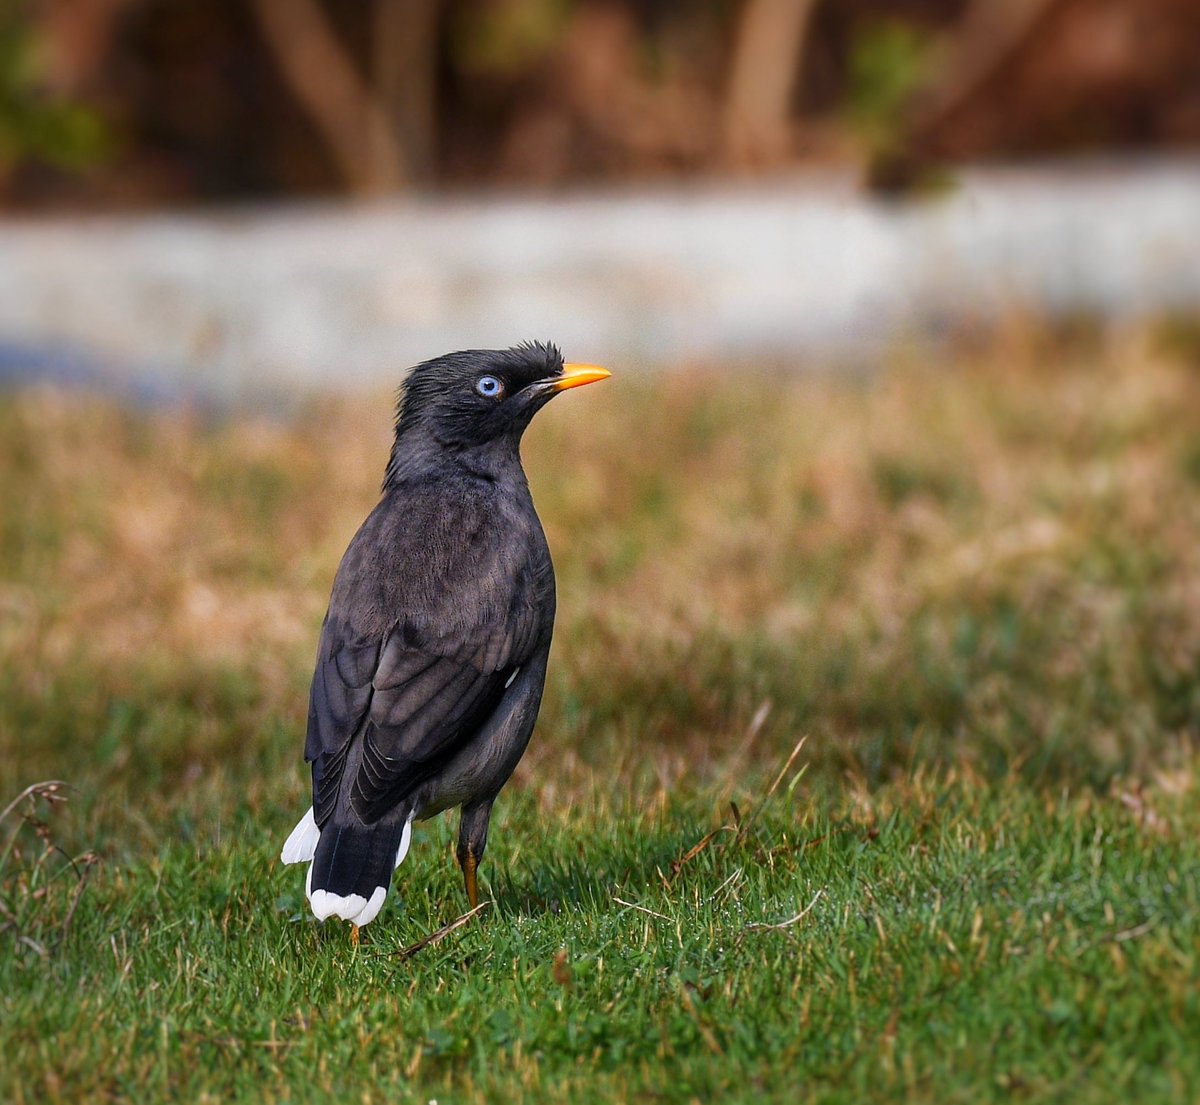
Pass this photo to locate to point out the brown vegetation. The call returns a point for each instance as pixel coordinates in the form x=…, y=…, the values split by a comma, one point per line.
x=1006, y=534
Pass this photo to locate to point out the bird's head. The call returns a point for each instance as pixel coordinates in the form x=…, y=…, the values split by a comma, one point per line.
x=471, y=399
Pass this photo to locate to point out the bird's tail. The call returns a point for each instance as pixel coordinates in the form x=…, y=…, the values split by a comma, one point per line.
x=349, y=864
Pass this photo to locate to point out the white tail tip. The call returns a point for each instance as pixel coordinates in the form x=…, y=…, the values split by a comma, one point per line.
x=301, y=846
x=349, y=907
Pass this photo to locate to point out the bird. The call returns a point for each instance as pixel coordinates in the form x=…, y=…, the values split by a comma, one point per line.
x=432, y=656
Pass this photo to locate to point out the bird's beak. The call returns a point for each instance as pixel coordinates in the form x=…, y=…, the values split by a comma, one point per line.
x=576, y=375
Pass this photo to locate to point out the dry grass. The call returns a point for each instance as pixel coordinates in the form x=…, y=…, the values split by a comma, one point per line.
x=846, y=558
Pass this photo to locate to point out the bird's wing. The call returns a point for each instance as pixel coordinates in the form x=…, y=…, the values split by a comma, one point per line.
x=420, y=689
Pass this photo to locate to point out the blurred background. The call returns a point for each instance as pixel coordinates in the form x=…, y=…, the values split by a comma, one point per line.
x=235, y=194
x=135, y=104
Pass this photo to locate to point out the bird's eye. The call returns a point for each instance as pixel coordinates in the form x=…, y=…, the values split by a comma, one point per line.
x=488, y=386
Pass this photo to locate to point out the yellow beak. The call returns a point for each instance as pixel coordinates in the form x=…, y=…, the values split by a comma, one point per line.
x=576, y=375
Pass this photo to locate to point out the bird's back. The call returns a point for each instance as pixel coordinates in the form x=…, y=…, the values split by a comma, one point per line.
x=458, y=565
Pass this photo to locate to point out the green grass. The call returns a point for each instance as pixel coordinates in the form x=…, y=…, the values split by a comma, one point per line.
x=960, y=943
x=971, y=587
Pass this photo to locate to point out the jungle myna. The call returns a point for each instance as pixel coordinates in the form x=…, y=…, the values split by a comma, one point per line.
x=432, y=656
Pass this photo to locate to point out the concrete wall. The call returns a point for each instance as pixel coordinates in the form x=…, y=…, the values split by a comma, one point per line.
x=230, y=302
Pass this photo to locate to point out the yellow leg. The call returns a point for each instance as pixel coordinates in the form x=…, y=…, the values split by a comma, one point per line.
x=469, y=866
x=353, y=934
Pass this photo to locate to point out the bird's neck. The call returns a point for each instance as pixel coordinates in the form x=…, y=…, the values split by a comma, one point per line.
x=420, y=456
x=498, y=461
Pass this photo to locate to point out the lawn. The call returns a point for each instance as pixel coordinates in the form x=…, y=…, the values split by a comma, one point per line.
x=867, y=769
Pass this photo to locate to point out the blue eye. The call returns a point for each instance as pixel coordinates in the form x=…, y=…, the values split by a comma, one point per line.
x=488, y=386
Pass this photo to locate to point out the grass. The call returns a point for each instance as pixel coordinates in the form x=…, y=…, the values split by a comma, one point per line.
x=970, y=585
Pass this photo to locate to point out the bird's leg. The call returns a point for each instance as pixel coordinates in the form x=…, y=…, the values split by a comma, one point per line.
x=469, y=866
x=472, y=840
x=353, y=935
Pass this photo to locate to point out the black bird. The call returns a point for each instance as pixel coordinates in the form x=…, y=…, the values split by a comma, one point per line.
x=433, y=653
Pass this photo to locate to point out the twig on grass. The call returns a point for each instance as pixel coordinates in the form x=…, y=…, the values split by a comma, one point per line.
x=1133, y=933
x=678, y=864
x=442, y=933
x=742, y=824
x=30, y=942
x=737, y=874
x=642, y=909
x=766, y=926
x=1121, y=937
x=753, y=815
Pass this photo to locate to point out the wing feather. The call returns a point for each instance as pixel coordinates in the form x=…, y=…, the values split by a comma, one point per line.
x=417, y=649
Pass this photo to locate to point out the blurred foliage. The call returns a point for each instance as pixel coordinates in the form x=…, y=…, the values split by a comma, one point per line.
x=1178, y=336
x=35, y=124
x=888, y=64
x=215, y=99
x=504, y=38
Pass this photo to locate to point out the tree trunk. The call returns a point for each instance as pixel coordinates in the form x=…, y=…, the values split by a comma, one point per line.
x=321, y=74
x=767, y=57
x=990, y=32
x=404, y=69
